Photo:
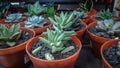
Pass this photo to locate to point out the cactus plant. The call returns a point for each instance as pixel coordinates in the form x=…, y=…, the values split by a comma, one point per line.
x=4, y=6
x=35, y=9
x=35, y=22
x=9, y=35
x=13, y=18
x=55, y=42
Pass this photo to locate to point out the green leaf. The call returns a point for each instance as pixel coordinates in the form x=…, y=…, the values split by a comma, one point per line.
x=67, y=49
x=116, y=26
x=11, y=43
x=44, y=40
x=35, y=51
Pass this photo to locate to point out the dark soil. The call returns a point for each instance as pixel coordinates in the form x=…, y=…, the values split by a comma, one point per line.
x=24, y=37
x=45, y=24
x=76, y=27
x=111, y=56
x=103, y=33
x=57, y=55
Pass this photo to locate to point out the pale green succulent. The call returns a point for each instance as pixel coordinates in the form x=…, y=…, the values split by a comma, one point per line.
x=55, y=41
x=63, y=21
x=105, y=14
x=108, y=26
x=35, y=9
x=9, y=35
x=118, y=48
x=13, y=18
x=35, y=22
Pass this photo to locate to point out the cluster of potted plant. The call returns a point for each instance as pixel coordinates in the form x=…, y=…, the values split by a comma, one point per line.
x=59, y=36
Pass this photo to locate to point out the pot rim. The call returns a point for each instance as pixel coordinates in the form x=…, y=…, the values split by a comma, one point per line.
x=77, y=52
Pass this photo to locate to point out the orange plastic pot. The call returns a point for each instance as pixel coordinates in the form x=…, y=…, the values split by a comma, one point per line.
x=13, y=57
x=96, y=41
x=38, y=31
x=63, y=63
x=105, y=46
x=89, y=22
x=92, y=14
x=2, y=22
x=81, y=33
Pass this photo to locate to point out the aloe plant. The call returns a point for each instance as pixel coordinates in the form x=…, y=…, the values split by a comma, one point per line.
x=87, y=6
x=109, y=27
x=4, y=6
x=105, y=14
x=35, y=22
x=35, y=9
x=55, y=42
x=15, y=17
x=9, y=35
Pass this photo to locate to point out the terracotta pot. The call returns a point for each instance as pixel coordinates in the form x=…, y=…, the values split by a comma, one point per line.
x=105, y=46
x=92, y=13
x=63, y=63
x=38, y=31
x=96, y=41
x=13, y=57
x=89, y=22
x=81, y=33
x=22, y=24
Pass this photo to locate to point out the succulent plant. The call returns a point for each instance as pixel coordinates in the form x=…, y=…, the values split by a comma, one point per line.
x=49, y=9
x=87, y=6
x=118, y=49
x=35, y=9
x=4, y=6
x=9, y=35
x=63, y=21
x=15, y=17
x=55, y=41
x=109, y=27
x=105, y=14
x=35, y=22
x=80, y=14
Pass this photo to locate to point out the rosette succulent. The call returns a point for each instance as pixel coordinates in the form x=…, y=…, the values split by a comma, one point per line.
x=9, y=35
x=13, y=18
x=35, y=9
x=35, y=22
x=109, y=27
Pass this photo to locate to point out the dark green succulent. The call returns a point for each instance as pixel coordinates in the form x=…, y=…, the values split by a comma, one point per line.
x=105, y=14
x=9, y=35
x=87, y=6
x=13, y=18
x=4, y=6
x=35, y=9
x=109, y=27
x=49, y=9
x=55, y=41
x=35, y=22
